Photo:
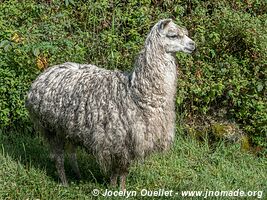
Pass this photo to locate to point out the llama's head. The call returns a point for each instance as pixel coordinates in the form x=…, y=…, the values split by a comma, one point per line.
x=173, y=38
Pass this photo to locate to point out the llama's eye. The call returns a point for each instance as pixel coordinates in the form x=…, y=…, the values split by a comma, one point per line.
x=173, y=36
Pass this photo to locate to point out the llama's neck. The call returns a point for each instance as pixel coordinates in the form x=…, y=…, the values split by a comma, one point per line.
x=154, y=78
x=153, y=88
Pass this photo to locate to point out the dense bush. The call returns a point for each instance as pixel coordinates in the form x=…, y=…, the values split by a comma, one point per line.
x=228, y=70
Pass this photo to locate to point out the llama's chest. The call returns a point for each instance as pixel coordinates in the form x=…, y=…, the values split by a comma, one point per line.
x=160, y=129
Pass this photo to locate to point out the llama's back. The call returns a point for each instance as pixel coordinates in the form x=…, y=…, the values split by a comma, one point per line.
x=61, y=94
x=54, y=91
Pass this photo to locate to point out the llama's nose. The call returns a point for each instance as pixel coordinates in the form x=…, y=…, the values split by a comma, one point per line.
x=192, y=44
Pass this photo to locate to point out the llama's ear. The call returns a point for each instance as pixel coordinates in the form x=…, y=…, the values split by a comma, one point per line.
x=163, y=24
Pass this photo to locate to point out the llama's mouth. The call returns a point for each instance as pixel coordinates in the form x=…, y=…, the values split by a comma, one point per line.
x=189, y=50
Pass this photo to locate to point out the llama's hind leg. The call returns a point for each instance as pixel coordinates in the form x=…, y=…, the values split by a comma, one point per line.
x=123, y=181
x=123, y=172
x=57, y=155
x=113, y=180
x=73, y=159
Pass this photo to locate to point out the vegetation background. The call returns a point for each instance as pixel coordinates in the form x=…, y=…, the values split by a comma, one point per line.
x=225, y=79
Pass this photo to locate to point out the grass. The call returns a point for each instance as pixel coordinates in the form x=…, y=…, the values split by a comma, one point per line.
x=26, y=171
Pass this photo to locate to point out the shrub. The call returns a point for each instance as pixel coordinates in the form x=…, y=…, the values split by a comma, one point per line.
x=228, y=70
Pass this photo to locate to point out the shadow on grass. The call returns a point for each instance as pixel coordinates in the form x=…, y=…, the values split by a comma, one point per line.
x=31, y=150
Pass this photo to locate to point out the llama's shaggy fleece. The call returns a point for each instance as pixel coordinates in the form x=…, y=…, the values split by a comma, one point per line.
x=117, y=117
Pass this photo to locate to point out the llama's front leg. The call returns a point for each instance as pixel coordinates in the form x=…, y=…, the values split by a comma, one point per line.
x=74, y=165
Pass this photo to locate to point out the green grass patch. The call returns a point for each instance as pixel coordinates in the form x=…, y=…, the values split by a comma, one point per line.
x=26, y=171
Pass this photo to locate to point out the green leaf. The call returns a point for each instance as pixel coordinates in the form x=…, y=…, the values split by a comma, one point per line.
x=4, y=43
x=36, y=52
x=259, y=87
x=7, y=47
x=67, y=2
x=72, y=2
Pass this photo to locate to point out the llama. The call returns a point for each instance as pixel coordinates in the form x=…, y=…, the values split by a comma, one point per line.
x=115, y=116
